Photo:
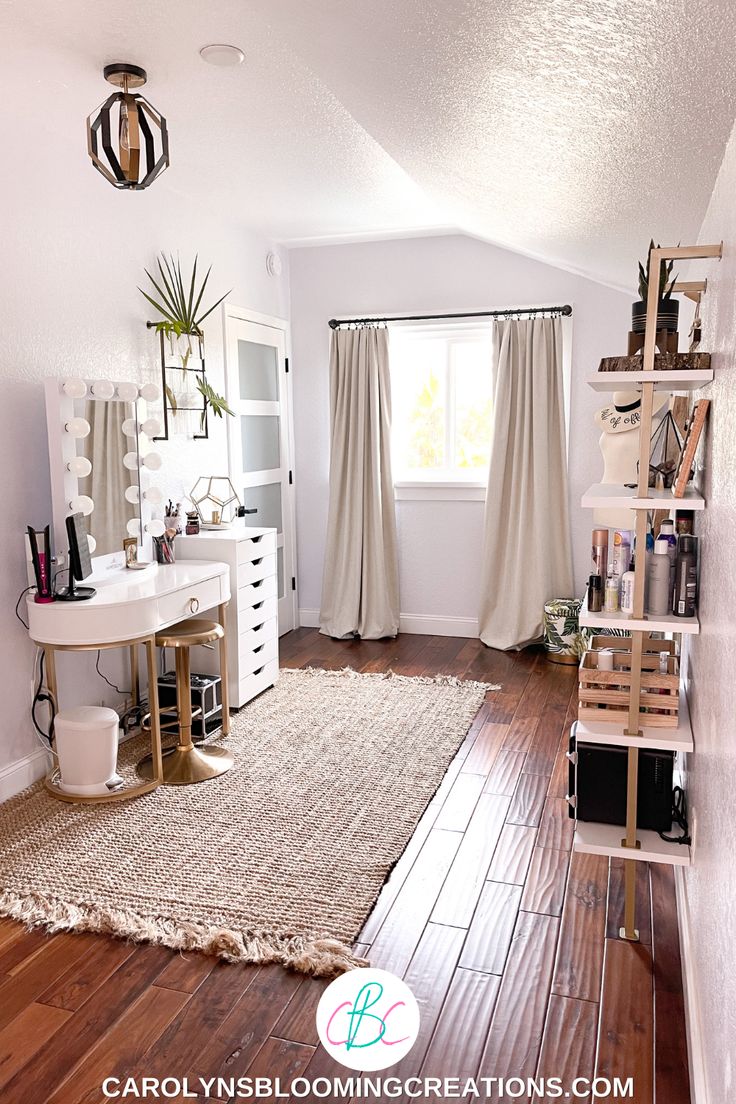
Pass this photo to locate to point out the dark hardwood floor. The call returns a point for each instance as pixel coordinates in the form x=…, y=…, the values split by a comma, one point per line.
x=509, y=942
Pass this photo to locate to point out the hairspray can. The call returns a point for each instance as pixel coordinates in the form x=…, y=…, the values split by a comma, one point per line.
x=599, y=554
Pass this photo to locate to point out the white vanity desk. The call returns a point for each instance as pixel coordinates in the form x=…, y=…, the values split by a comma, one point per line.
x=129, y=608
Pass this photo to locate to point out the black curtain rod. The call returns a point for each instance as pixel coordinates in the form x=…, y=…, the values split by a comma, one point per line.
x=508, y=313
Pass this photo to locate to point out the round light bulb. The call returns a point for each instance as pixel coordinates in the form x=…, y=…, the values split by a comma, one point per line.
x=151, y=427
x=77, y=427
x=151, y=392
x=134, y=527
x=130, y=461
x=128, y=392
x=132, y=494
x=152, y=461
x=130, y=427
x=74, y=388
x=79, y=466
x=92, y=543
x=102, y=389
x=81, y=504
x=153, y=495
x=156, y=528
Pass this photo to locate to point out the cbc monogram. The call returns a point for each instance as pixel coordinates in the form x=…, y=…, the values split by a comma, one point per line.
x=368, y=1019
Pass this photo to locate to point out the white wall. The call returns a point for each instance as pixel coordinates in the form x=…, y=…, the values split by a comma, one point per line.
x=707, y=904
x=439, y=542
x=73, y=251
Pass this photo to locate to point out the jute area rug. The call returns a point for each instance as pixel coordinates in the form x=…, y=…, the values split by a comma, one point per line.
x=281, y=859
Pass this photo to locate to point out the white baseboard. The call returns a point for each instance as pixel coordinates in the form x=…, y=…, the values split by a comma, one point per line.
x=423, y=624
x=696, y=1060
x=23, y=772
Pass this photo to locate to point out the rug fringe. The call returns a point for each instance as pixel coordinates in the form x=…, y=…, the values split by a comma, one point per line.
x=305, y=954
x=350, y=672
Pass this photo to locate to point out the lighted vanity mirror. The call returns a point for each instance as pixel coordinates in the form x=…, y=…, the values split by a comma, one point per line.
x=101, y=453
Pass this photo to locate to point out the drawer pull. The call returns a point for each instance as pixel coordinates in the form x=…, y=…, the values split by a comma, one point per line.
x=257, y=562
x=259, y=648
x=257, y=628
x=258, y=605
x=259, y=583
x=193, y=605
x=257, y=539
x=258, y=671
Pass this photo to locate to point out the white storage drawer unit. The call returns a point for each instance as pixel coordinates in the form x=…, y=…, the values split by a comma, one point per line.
x=252, y=616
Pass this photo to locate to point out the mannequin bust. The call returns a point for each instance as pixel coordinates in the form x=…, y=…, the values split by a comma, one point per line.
x=619, y=444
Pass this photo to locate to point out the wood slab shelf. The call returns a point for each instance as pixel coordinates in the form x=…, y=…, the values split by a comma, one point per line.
x=660, y=739
x=614, y=496
x=663, y=381
x=667, y=623
x=605, y=839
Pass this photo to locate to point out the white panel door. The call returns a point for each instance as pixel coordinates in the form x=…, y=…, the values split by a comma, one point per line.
x=260, y=437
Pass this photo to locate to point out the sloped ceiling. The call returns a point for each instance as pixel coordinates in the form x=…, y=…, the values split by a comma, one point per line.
x=572, y=131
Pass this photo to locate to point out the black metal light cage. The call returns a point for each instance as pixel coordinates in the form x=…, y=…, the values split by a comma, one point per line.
x=136, y=163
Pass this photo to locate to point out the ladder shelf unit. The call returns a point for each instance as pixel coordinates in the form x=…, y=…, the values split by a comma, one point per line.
x=631, y=843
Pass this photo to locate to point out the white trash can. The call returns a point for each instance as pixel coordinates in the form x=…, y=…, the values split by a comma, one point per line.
x=86, y=742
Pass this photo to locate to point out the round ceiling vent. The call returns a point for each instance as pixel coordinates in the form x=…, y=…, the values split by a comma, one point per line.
x=221, y=55
x=273, y=264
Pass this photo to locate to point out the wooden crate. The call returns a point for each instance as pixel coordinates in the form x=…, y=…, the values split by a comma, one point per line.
x=604, y=695
x=623, y=644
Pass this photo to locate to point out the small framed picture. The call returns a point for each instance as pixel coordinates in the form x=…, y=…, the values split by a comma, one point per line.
x=693, y=432
x=130, y=548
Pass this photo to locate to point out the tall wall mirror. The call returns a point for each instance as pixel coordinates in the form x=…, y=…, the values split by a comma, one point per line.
x=102, y=461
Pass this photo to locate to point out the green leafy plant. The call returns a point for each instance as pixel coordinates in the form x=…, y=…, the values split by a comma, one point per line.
x=217, y=403
x=666, y=279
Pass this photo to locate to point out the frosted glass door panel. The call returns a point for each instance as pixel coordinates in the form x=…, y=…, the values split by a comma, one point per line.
x=266, y=499
x=280, y=570
x=261, y=435
x=258, y=371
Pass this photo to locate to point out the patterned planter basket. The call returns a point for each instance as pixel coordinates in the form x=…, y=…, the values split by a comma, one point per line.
x=564, y=640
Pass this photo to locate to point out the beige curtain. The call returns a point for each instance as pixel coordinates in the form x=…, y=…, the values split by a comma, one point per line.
x=527, y=556
x=360, y=587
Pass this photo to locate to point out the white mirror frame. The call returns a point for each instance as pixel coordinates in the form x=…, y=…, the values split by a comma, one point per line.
x=65, y=485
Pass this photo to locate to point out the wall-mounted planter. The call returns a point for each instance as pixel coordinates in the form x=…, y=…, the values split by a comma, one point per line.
x=668, y=312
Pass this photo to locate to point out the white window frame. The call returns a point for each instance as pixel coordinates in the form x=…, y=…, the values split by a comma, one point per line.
x=444, y=490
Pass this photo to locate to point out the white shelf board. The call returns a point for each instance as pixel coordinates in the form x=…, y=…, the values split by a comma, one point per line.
x=605, y=839
x=661, y=739
x=663, y=381
x=666, y=623
x=617, y=496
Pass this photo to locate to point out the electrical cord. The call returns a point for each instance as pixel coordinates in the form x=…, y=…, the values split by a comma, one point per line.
x=679, y=817
x=17, y=605
x=43, y=696
x=104, y=677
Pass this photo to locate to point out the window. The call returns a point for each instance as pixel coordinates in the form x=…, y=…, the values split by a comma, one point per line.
x=442, y=400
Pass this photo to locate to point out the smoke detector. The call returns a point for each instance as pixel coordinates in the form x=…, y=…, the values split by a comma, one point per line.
x=221, y=55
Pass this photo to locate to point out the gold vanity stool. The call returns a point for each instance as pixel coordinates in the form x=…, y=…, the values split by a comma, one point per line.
x=186, y=763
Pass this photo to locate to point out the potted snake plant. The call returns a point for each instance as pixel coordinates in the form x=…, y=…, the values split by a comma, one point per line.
x=668, y=308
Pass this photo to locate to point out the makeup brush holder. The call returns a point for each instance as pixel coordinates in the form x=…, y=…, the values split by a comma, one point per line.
x=163, y=550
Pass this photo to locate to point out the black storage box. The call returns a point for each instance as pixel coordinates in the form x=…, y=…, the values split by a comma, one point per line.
x=206, y=695
x=598, y=782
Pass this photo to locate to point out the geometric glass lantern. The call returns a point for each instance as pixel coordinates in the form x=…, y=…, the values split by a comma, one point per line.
x=216, y=501
x=127, y=138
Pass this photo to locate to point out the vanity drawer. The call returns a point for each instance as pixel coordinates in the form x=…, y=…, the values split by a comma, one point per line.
x=262, y=611
x=189, y=601
x=258, y=681
x=253, y=658
x=254, y=547
x=259, y=634
x=256, y=593
x=259, y=569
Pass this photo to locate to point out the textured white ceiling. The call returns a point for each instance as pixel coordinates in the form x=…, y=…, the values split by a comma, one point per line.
x=571, y=130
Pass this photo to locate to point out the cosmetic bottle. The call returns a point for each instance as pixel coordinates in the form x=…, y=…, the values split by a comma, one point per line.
x=595, y=594
x=627, y=589
x=621, y=551
x=658, y=572
x=599, y=554
x=611, y=597
x=667, y=532
x=686, y=576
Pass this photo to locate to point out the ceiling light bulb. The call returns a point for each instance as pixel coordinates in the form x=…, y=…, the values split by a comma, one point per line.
x=81, y=504
x=74, y=388
x=222, y=55
x=151, y=392
x=79, y=466
x=128, y=392
x=102, y=389
x=77, y=427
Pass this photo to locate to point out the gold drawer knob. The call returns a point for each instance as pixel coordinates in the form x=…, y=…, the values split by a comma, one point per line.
x=193, y=605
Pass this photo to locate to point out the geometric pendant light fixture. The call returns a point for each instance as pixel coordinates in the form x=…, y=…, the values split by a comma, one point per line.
x=127, y=137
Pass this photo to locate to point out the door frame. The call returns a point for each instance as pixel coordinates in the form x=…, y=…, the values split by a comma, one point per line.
x=233, y=313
